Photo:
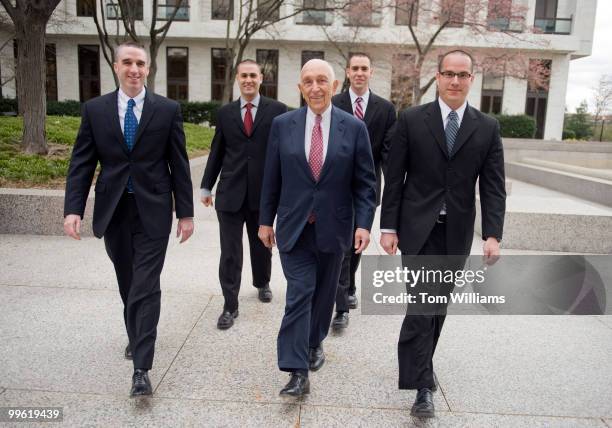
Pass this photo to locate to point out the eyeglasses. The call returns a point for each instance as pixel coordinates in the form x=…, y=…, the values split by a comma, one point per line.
x=464, y=75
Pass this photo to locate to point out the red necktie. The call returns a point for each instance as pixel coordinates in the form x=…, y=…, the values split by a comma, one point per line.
x=358, y=108
x=248, y=119
x=315, y=157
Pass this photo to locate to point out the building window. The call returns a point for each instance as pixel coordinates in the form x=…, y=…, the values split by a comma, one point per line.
x=268, y=61
x=166, y=9
x=537, y=93
x=492, y=93
x=307, y=56
x=177, y=71
x=314, y=13
x=407, y=12
x=362, y=13
x=222, y=9
x=51, y=74
x=218, y=73
x=86, y=7
x=546, y=19
x=131, y=7
x=89, y=72
x=268, y=10
x=402, y=79
x=453, y=11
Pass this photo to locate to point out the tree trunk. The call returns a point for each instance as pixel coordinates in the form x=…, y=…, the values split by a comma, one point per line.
x=153, y=50
x=228, y=87
x=31, y=82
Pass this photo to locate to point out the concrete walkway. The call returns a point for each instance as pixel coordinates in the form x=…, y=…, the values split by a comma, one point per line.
x=62, y=340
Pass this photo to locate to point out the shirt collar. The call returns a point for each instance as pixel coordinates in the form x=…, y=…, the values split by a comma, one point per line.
x=354, y=96
x=138, y=98
x=255, y=101
x=325, y=116
x=445, y=109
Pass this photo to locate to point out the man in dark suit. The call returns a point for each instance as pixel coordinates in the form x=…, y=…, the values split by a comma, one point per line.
x=137, y=136
x=438, y=152
x=319, y=182
x=379, y=116
x=238, y=152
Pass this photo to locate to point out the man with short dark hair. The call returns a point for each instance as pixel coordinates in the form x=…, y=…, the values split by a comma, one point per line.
x=137, y=137
x=379, y=116
x=438, y=152
x=238, y=153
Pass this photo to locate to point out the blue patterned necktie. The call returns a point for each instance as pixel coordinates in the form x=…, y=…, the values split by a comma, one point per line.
x=130, y=124
x=452, y=127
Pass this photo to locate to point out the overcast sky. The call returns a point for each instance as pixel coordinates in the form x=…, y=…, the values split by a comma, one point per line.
x=584, y=73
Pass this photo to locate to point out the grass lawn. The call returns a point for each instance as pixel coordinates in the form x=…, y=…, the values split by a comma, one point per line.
x=20, y=170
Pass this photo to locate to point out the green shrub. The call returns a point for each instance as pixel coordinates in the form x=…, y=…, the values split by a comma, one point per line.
x=64, y=108
x=198, y=112
x=568, y=134
x=8, y=105
x=516, y=126
x=579, y=123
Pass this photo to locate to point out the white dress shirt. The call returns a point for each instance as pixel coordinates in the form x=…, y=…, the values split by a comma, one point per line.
x=365, y=97
x=122, y=101
x=325, y=126
x=243, y=104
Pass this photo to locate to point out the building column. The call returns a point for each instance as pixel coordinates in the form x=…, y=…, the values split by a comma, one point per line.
x=555, y=110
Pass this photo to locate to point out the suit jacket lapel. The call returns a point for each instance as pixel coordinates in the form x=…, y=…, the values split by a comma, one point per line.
x=298, y=130
x=370, y=109
x=237, y=115
x=345, y=102
x=113, y=119
x=148, y=111
x=263, y=103
x=433, y=119
x=336, y=132
x=469, y=123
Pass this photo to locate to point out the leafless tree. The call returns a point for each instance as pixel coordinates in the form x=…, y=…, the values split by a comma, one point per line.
x=30, y=19
x=126, y=15
x=602, y=100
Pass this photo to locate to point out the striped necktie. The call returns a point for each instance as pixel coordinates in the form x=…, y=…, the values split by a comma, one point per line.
x=358, y=108
x=452, y=127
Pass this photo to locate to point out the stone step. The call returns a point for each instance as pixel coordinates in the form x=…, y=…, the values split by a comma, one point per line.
x=541, y=219
x=585, y=187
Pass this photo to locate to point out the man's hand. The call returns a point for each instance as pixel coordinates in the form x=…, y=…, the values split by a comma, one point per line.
x=389, y=242
x=184, y=228
x=266, y=234
x=491, y=251
x=72, y=226
x=362, y=239
x=207, y=201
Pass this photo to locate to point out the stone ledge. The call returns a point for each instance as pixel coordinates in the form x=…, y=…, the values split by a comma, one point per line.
x=40, y=211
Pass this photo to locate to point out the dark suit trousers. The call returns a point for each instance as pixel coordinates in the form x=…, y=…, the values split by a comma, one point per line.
x=231, y=226
x=346, y=284
x=138, y=262
x=312, y=279
x=420, y=333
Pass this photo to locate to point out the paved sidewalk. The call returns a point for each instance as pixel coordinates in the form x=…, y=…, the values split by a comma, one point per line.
x=62, y=340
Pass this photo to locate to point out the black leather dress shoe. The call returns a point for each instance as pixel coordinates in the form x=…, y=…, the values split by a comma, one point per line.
x=423, y=406
x=352, y=301
x=141, y=385
x=316, y=358
x=340, y=321
x=264, y=294
x=128, y=352
x=226, y=319
x=298, y=385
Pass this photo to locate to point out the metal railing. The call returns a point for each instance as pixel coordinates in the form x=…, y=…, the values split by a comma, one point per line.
x=554, y=25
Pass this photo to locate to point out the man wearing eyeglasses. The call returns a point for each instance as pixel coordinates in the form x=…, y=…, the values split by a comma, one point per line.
x=438, y=152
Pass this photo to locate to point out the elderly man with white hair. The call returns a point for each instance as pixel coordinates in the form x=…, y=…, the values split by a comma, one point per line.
x=319, y=180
